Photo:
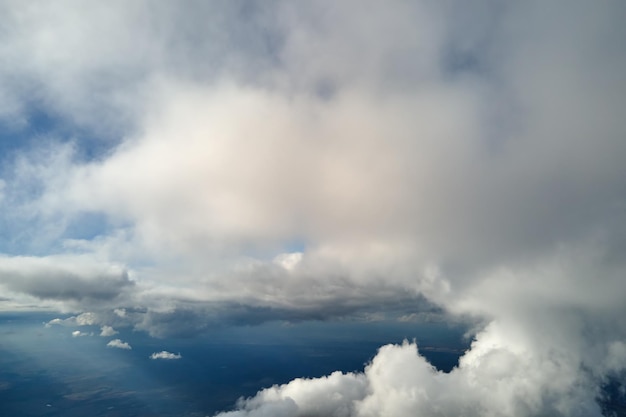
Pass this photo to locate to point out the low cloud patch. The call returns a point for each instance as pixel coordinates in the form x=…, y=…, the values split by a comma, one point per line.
x=117, y=343
x=165, y=355
x=107, y=331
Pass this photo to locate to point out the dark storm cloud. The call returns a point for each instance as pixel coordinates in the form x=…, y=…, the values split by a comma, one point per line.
x=189, y=319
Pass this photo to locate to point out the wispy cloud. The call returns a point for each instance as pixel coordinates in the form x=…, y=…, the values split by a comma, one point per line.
x=165, y=355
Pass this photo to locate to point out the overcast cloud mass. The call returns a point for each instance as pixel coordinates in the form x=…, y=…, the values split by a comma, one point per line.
x=174, y=166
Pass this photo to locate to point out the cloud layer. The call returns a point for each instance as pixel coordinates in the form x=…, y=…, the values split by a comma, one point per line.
x=174, y=168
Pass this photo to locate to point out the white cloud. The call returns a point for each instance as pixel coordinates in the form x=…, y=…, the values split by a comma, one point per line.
x=56, y=321
x=78, y=333
x=107, y=331
x=83, y=319
x=86, y=319
x=472, y=154
x=165, y=355
x=117, y=343
x=400, y=382
x=334, y=395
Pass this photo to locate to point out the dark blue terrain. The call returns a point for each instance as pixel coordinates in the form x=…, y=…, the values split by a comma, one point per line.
x=44, y=371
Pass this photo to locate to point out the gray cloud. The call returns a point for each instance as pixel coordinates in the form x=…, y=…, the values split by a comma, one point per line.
x=63, y=278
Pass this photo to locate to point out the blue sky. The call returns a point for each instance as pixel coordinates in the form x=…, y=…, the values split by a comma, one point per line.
x=172, y=169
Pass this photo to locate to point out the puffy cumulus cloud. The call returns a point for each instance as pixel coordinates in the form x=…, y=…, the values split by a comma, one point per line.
x=377, y=154
x=334, y=395
x=86, y=319
x=117, y=343
x=400, y=382
x=165, y=355
x=107, y=331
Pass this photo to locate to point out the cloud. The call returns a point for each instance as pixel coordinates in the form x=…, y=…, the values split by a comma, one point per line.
x=86, y=319
x=78, y=333
x=288, y=260
x=301, y=161
x=52, y=322
x=107, y=331
x=83, y=319
x=63, y=278
x=333, y=395
x=117, y=343
x=165, y=355
x=400, y=382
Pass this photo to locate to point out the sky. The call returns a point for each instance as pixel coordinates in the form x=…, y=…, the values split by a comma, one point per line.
x=174, y=167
